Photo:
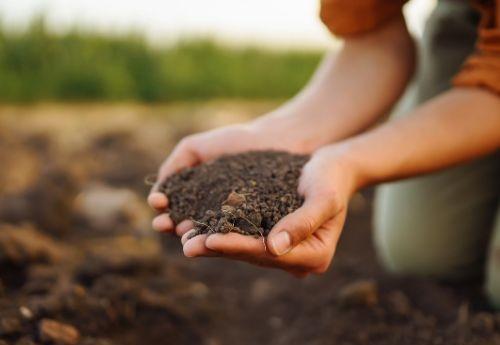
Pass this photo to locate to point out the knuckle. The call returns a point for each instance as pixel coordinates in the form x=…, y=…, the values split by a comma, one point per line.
x=330, y=196
x=308, y=223
x=333, y=201
x=339, y=202
x=305, y=226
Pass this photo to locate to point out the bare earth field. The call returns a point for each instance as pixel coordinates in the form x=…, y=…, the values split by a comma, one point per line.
x=80, y=265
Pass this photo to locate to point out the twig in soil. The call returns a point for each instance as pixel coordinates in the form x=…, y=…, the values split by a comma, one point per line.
x=259, y=231
x=256, y=228
x=263, y=239
x=208, y=226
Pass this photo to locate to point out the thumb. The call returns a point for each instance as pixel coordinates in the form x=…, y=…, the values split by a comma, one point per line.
x=298, y=225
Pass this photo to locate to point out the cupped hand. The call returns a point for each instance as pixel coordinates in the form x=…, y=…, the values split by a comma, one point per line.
x=202, y=147
x=304, y=241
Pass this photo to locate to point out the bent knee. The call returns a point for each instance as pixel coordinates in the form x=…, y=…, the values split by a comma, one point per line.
x=409, y=257
x=414, y=242
x=492, y=284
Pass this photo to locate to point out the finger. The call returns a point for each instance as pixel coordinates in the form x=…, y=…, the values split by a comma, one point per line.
x=242, y=248
x=158, y=201
x=310, y=256
x=234, y=244
x=182, y=156
x=163, y=223
x=252, y=250
x=184, y=227
x=187, y=236
x=300, y=224
x=196, y=247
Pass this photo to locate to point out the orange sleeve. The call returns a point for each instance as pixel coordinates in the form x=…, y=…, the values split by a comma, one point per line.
x=482, y=69
x=351, y=17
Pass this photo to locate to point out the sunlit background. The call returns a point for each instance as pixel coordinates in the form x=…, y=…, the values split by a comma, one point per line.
x=161, y=51
x=271, y=22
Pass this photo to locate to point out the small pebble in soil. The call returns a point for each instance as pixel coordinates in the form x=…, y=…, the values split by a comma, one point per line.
x=359, y=293
x=247, y=193
x=26, y=312
x=58, y=333
x=399, y=303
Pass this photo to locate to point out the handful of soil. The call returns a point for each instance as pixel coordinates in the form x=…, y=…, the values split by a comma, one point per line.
x=246, y=193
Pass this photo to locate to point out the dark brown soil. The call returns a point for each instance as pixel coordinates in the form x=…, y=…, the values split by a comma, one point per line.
x=246, y=193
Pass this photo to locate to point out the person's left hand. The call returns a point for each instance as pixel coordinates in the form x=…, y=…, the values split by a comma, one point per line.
x=304, y=241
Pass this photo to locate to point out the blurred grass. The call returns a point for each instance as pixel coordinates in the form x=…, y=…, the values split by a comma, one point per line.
x=38, y=65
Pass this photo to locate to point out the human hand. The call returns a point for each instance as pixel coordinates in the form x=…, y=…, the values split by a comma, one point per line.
x=198, y=148
x=304, y=241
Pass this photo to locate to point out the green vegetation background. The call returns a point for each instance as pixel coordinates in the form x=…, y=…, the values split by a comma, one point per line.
x=37, y=65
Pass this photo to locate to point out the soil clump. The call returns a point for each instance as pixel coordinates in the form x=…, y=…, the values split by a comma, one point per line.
x=247, y=193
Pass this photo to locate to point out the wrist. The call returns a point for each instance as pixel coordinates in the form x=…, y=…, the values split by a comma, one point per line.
x=339, y=168
x=345, y=159
x=291, y=131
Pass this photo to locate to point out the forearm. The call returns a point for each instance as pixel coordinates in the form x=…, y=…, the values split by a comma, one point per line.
x=351, y=89
x=456, y=127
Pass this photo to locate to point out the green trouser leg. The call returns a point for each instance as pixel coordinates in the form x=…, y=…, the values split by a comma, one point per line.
x=440, y=225
x=493, y=266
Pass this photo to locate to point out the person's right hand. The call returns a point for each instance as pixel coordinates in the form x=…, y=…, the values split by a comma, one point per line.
x=202, y=147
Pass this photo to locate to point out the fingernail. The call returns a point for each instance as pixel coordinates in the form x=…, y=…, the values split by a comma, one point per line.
x=281, y=243
x=157, y=224
x=163, y=223
x=156, y=199
x=187, y=250
x=185, y=237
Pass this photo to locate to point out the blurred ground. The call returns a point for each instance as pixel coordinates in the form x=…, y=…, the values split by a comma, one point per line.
x=79, y=264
